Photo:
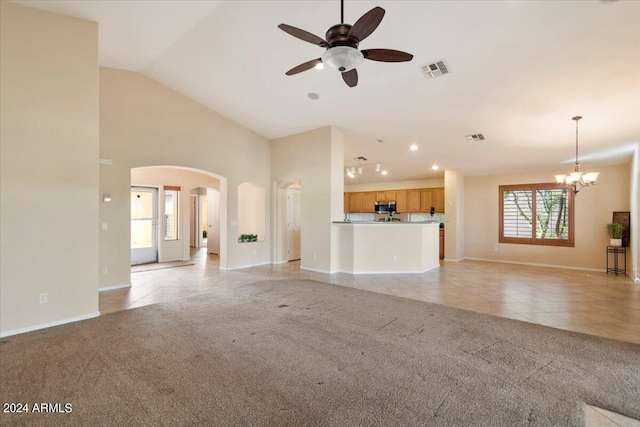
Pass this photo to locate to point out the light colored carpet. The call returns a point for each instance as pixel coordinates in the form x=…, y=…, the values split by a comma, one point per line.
x=310, y=353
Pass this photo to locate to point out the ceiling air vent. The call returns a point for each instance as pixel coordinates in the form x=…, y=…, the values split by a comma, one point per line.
x=436, y=69
x=360, y=158
x=475, y=138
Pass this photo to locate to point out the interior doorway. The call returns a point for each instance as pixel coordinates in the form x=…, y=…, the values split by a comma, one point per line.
x=205, y=219
x=144, y=225
x=294, y=236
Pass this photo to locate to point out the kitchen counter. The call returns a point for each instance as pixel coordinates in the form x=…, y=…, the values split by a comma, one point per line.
x=387, y=247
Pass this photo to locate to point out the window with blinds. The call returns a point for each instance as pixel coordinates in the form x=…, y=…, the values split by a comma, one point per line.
x=171, y=212
x=536, y=214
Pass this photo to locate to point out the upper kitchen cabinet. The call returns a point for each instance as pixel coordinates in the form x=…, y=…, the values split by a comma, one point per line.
x=385, y=196
x=355, y=202
x=369, y=202
x=426, y=199
x=439, y=199
x=413, y=197
x=345, y=206
x=401, y=201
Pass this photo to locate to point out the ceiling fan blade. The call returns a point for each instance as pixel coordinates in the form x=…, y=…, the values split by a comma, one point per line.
x=303, y=35
x=304, y=67
x=350, y=78
x=367, y=24
x=386, y=55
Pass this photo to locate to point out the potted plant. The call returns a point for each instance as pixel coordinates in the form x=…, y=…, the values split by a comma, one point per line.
x=615, y=234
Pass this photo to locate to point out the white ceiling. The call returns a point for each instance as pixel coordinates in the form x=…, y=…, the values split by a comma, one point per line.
x=519, y=71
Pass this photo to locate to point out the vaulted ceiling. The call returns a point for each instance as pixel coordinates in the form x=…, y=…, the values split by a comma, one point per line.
x=519, y=70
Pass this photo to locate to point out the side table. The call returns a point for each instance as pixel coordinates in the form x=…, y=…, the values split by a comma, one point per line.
x=615, y=252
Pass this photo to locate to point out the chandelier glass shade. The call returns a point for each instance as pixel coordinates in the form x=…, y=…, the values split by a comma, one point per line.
x=576, y=180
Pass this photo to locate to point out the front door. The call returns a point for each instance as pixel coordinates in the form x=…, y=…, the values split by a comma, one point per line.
x=144, y=221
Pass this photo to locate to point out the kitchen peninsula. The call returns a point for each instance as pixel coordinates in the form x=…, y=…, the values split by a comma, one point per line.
x=387, y=247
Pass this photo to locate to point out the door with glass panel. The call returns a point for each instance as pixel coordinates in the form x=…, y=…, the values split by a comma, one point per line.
x=144, y=220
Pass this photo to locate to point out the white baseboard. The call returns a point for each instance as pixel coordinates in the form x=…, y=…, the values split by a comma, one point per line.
x=114, y=287
x=455, y=260
x=245, y=266
x=317, y=270
x=601, y=270
x=49, y=324
x=388, y=272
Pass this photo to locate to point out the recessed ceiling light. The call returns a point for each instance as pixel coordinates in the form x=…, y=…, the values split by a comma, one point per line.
x=384, y=172
x=435, y=167
x=413, y=147
x=313, y=95
x=320, y=66
x=379, y=141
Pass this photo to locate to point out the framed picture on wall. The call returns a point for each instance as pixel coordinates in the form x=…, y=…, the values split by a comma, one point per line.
x=624, y=218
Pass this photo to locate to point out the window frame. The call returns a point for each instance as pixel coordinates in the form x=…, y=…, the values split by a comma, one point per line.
x=533, y=240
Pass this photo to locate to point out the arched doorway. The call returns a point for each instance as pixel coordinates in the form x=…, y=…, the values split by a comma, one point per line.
x=173, y=227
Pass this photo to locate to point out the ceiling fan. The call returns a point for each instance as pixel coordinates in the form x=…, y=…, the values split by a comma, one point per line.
x=342, y=42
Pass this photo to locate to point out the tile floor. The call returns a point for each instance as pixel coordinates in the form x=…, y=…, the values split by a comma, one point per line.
x=588, y=302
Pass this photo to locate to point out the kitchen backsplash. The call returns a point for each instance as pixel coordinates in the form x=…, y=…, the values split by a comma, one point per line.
x=421, y=217
x=355, y=217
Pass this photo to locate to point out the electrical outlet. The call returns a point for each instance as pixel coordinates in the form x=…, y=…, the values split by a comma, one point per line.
x=43, y=298
x=105, y=270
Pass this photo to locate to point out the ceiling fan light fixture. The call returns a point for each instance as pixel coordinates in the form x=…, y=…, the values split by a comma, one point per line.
x=342, y=58
x=320, y=66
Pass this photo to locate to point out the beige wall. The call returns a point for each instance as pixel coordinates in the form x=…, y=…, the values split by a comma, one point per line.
x=311, y=159
x=593, y=210
x=634, y=187
x=395, y=185
x=187, y=180
x=454, y=196
x=143, y=123
x=49, y=168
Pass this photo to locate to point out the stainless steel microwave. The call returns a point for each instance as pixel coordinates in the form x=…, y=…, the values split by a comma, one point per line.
x=385, y=207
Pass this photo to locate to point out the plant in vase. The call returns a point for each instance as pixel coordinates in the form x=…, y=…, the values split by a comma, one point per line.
x=615, y=234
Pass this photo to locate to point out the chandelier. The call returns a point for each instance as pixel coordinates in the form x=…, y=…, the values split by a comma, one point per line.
x=576, y=180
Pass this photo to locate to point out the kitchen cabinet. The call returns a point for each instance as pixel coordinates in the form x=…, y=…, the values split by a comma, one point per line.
x=401, y=201
x=369, y=202
x=426, y=199
x=419, y=200
x=355, y=202
x=413, y=197
x=385, y=196
x=441, y=243
x=439, y=200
